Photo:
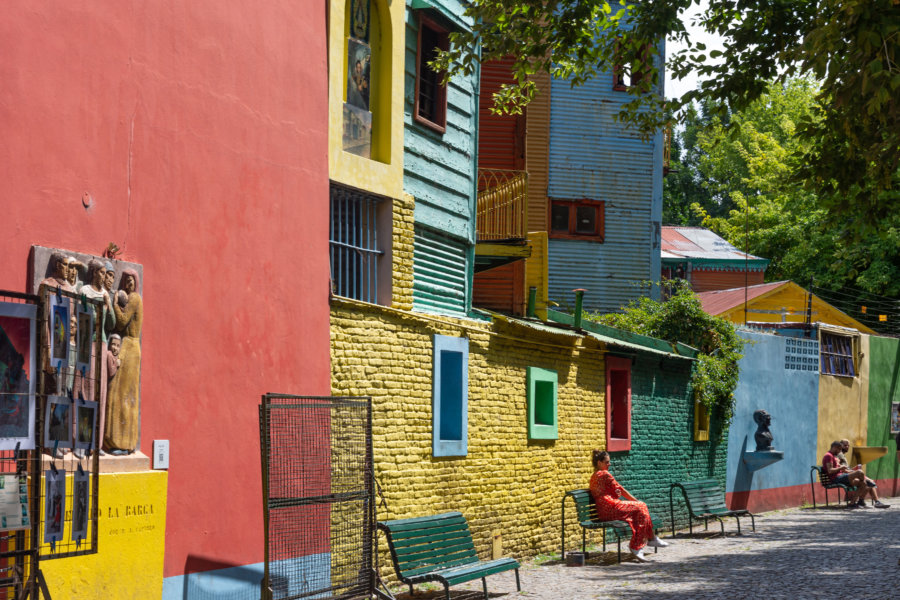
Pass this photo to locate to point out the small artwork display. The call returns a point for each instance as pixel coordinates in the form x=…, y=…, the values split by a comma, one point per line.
x=80, y=504
x=18, y=375
x=85, y=425
x=54, y=504
x=84, y=337
x=58, y=422
x=59, y=332
x=14, y=503
x=358, y=73
x=895, y=418
x=357, y=131
x=359, y=28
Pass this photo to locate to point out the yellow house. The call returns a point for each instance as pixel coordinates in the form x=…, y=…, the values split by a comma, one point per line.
x=776, y=302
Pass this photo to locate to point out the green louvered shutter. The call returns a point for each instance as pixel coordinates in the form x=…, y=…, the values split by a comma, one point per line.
x=439, y=271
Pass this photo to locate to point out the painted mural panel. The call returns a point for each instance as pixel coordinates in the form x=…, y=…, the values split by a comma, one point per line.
x=775, y=376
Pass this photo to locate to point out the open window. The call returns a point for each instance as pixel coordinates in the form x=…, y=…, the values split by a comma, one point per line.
x=577, y=219
x=633, y=71
x=701, y=422
x=542, y=402
x=450, y=396
x=618, y=403
x=837, y=354
x=431, y=92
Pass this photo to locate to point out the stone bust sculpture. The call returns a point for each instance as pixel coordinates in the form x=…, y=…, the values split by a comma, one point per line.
x=763, y=436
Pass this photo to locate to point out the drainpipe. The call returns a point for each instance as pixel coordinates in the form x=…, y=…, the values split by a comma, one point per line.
x=579, y=301
x=532, y=299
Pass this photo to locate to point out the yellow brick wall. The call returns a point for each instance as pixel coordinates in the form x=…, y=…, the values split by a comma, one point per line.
x=506, y=482
x=402, y=252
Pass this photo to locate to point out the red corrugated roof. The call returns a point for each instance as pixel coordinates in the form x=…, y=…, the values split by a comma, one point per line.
x=720, y=301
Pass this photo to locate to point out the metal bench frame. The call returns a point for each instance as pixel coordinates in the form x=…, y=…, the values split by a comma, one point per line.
x=712, y=505
x=417, y=544
x=827, y=484
x=586, y=512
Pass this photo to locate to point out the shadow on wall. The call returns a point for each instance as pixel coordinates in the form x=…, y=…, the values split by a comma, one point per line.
x=215, y=580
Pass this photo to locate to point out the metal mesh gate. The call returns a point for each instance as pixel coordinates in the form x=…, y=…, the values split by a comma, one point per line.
x=318, y=496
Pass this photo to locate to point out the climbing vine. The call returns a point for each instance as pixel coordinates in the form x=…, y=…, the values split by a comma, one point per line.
x=681, y=319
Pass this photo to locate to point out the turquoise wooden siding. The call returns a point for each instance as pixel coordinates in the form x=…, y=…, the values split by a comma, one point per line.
x=441, y=278
x=594, y=156
x=439, y=171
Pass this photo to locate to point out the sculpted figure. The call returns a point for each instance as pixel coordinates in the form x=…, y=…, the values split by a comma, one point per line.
x=123, y=395
x=763, y=436
x=60, y=273
x=75, y=267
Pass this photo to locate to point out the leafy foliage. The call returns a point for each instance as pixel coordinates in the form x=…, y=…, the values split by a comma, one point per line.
x=852, y=47
x=681, y=319
x=739, y=185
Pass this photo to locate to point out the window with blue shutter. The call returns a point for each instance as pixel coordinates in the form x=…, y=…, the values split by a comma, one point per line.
x=450, y=396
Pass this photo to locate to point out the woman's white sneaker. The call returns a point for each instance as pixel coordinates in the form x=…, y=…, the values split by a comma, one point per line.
x=639, y=554
x=657, y=543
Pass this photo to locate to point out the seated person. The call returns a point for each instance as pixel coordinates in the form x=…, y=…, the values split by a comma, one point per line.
x=606, y=493
x=840, y=474
x=870, y=485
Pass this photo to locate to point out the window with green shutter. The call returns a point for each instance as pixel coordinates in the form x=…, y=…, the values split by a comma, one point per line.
x=542, y=398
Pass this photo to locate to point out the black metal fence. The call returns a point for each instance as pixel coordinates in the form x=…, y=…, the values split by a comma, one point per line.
x=318, y=497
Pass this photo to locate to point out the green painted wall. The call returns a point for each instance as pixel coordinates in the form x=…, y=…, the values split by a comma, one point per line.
x=884, y=388
x=663, y=449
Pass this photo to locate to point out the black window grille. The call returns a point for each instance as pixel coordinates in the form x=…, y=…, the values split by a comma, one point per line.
x=836, y=355
x=355, y=251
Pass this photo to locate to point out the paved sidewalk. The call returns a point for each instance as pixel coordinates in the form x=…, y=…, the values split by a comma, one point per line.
x=795, y=553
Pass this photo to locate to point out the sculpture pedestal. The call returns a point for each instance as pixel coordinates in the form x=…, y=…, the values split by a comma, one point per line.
x=754, y=461
x=866, y=454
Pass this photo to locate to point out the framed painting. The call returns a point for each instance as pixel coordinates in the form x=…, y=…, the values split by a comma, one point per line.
x=895, y=418
x=80, y=504
x=83, y=338
x=54, y=505
x=85, y=425
x=59, y=332
x=58, y=422
x=18, y=375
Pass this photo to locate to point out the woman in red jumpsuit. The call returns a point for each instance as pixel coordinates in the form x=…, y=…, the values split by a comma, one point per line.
x=606, y=492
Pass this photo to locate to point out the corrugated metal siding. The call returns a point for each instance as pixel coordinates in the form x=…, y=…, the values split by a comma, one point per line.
x=610, y=277
x=593, y=156
x=537, y=152
x=536, y=271
x=500, y=137
x=439, y=272
x=439, y=170
x=500, y=289
x=703, y=280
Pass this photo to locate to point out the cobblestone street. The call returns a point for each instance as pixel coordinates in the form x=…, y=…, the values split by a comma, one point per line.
x=795, y=553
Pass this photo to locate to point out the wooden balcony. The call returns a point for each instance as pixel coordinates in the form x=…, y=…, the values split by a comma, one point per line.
x=502, y=212
x=502, y=218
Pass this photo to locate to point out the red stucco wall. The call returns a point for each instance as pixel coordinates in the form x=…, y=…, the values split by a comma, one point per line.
x=199, y=130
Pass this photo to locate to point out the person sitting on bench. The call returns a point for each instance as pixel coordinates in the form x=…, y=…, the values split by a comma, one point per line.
x=872, y=488
x=606, y=492
x=844, y=476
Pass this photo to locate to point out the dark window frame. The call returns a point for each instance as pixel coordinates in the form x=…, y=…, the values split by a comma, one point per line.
x=621, y=71
x=436, y=121
x=599, y=234
x=837, y=355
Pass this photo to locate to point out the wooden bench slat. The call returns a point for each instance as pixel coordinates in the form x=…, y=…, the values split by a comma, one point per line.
x=437, y=567
x=448, y=537
x=433, y=555
x=705, y=499
x=423, y=534
x=483, y=570
x=451, y=520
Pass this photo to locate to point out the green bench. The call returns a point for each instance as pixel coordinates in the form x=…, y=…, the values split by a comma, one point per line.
x=827, y=484
x=704, y=499
x=586, y=513
x=439, y=548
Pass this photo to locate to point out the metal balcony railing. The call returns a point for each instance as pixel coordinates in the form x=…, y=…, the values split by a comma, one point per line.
x=502, y=211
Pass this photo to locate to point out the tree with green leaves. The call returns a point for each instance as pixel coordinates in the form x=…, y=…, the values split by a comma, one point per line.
x=851, y=47
x=747, y=196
